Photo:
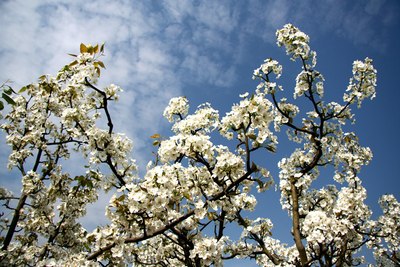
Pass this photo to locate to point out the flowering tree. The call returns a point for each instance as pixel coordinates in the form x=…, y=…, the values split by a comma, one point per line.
x=177, y=214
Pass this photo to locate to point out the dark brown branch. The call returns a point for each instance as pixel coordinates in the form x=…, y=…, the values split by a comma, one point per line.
x=291, y=125
x=167, y=227
x=221, y=227
x=296, y=223
x=114, y=170
x=14, y=222
x=264, y=250
x=105, y=104
x=17, y=212
x=143, y=237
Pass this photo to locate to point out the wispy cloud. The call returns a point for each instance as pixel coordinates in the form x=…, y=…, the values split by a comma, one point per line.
x=151, y=48
x=362, y=22
x=158, y=49
x=155, y=49
x=152, y=51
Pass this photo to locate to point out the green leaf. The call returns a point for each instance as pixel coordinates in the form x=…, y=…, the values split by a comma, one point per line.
x=96, y=49
x=72, y=55
x=1, y=105
x=102, y=48
x=8, y=90
x=79, y=178
x=155, y=136
x=23, y=89
x=8, y=99
x=83, y=181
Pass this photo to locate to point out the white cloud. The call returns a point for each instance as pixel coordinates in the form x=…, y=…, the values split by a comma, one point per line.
x=147, y=47
x=277, y=13
x=219, y=16
x=155, y=50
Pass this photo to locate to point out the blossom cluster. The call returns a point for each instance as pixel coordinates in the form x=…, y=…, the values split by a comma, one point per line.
x=304, y=82
x=295, y=41
x=389, y=229
x=178, y=106
x=178, y=213
x=269, y=66
x=250, y=119
x=50, y=121
x=362, y=84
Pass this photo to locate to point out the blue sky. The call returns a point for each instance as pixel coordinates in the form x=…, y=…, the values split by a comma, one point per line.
x=207, y=51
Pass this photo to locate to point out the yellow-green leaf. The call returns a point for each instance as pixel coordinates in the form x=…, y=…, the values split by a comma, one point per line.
x=83, y=48
x=271, y=148
x=73, y=63
x=90, y=49
x=121, y=198
x=156, y=143
x=101, y=64
x=96, y=49
x=42, y=78
x=252, y=136
x=154, y=136
x=187, y=195
x=23, y=89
